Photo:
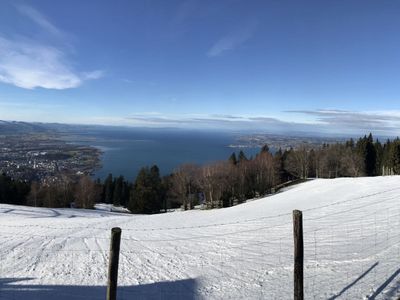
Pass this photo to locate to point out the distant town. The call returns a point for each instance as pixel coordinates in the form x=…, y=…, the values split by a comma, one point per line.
x=45, y=157
x=283, y=142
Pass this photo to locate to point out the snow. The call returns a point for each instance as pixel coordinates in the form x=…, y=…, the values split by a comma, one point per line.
x=351, y=237
x=110, y=207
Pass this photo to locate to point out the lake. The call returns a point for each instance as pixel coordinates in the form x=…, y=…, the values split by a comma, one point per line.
x=125, y=151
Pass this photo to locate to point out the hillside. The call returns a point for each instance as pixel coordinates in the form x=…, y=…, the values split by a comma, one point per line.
x=352, y=248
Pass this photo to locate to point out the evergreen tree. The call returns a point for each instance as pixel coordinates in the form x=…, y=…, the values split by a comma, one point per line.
x=242, y=157
x=117, y=195
x=386, y=158
x=147, y=193
x=313, y=164
x=265, y=149
x=395, y=157
x=125, y=193
x=108, y=189
x=13, y=191
x=366, y=149
x=350, y=144
x=379, y=157
x=370, y=157
x=233, y=159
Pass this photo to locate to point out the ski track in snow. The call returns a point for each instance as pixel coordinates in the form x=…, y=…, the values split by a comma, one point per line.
x=351, y=238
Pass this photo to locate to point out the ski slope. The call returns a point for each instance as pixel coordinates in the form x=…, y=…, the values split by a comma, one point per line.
x=351, y=237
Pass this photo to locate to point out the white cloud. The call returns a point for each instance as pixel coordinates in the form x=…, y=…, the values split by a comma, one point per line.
x=28, y=65
x=232, y=40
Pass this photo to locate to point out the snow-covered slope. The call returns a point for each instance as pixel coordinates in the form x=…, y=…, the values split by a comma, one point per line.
x=352, y=248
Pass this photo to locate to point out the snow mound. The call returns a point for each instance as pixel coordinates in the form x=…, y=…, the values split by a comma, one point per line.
x=351, y=237
x=111, y=208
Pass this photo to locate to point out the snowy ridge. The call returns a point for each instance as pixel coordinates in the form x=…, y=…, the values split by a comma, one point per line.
x=351, y=235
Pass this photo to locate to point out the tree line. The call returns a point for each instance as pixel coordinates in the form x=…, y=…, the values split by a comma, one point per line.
x=215, y=185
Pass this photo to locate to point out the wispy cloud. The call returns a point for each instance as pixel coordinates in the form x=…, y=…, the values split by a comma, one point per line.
x=30, y=64
x=337, y=122
x=29, y=106
x=184, y=11
x=178, y=25
x=93, y=75
x=233, y=122
x=322, y=122
x=39, y=19
x=378, y=121
x=233, y=39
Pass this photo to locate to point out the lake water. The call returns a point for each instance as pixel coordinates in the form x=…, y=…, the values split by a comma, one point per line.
x=125, y=151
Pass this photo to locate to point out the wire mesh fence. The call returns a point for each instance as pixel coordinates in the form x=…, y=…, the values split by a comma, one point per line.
x=352, y=251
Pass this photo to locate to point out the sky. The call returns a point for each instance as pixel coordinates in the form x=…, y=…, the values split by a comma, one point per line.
x=274, y=66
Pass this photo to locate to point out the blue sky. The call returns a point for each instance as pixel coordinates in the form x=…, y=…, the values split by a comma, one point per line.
x=328, y=66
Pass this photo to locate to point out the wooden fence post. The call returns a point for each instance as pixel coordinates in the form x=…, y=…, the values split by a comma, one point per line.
x=298, y=255
x=113, y=264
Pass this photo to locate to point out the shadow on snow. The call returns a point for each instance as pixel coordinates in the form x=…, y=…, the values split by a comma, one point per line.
x=390, y=293
x=14, y=289
x=354, y=282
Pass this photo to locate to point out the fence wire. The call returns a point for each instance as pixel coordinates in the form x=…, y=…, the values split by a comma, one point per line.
x=352, y=251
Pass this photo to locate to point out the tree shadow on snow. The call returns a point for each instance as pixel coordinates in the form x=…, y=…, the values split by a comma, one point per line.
x=14, y=289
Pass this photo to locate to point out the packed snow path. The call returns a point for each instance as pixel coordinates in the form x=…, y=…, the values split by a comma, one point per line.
x=351, y=232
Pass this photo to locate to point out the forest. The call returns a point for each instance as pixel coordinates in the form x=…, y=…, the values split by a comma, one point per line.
x=215, y=185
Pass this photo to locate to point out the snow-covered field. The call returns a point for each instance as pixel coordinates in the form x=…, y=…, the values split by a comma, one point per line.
x=352, y=248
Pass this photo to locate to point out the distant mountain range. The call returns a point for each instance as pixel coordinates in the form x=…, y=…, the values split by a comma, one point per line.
x=10, y=127
x=18, y=127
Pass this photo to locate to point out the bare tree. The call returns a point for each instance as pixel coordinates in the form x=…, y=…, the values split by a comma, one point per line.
x=213, y=181
x=86, y=193
x=184, y=180
x=297, y=162
x=263, y=166
x=65, y=190
x=331, y=161
x=338, y=160
x=353, y=163
x=33, y=197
